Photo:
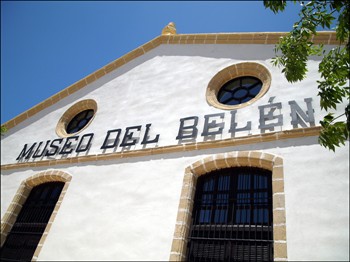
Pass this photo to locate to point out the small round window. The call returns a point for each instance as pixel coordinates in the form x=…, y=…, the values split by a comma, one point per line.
x=238, y=85
x=80, y=121
x=76, y=118
x=239, y=90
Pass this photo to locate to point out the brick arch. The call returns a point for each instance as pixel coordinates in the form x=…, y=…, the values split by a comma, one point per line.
x=22, y=194
x=263, y=160
x=47, y=176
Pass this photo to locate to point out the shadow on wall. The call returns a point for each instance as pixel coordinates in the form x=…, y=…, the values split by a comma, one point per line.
x=287, y=143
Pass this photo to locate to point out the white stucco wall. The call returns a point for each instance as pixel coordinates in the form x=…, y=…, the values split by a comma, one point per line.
x=126, y=209
x=164, y=85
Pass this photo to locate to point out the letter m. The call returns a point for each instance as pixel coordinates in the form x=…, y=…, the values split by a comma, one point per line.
x=25, y=152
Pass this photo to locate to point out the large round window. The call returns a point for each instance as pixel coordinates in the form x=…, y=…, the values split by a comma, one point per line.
x=238, y=85
x=76, y=118
x=239, y=90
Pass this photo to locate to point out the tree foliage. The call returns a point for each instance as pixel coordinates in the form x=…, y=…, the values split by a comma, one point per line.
x=294, y=50
x=3, y=130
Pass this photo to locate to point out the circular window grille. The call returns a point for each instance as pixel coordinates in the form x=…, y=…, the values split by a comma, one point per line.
x=239, y=90
x=76, y=118
x=238, y=85
x=80, y=121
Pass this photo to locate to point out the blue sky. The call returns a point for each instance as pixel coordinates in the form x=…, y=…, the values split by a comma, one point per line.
x=48, y=45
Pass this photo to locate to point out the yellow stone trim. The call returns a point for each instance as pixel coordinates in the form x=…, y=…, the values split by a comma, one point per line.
x=325, y=37
x=227, y=160
x=20, y=197
x=170, y=29
x=246, y=140
x=234, y=71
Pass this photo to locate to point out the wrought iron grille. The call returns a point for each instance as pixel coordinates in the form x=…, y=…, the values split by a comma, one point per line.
x=80, y=121
x=31, y=222
x=232, y=216
x=239, y=90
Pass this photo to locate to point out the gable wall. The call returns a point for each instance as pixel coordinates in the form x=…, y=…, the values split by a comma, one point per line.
x=116, y=201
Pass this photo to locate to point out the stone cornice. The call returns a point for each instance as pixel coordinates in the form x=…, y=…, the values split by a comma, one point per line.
x=252, y=139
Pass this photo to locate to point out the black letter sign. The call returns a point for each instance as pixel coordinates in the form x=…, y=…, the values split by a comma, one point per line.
x=191, y=130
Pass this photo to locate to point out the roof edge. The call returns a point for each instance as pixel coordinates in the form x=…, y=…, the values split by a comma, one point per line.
x=322, y=37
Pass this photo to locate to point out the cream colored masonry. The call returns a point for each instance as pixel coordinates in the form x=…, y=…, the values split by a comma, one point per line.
x=325, y=37
x=233, y=159
x=22, y=193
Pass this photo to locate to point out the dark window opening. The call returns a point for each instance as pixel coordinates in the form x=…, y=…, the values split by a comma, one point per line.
x=80, y=121
x=239, y=90
x=31, y=222
x=232, y=216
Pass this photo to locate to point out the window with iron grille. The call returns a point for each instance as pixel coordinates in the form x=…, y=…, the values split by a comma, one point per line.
x=31, y=222
x=232, y=216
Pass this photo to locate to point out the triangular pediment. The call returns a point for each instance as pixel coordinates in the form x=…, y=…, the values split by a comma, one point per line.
x=168, y=37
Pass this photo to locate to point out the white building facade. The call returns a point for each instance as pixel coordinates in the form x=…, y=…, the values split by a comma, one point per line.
x=158, y=156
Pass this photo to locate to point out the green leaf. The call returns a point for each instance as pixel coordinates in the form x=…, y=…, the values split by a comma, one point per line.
x=293, y=52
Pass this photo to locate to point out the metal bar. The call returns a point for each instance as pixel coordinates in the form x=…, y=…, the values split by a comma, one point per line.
x=236, y=218
x=227, y=239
